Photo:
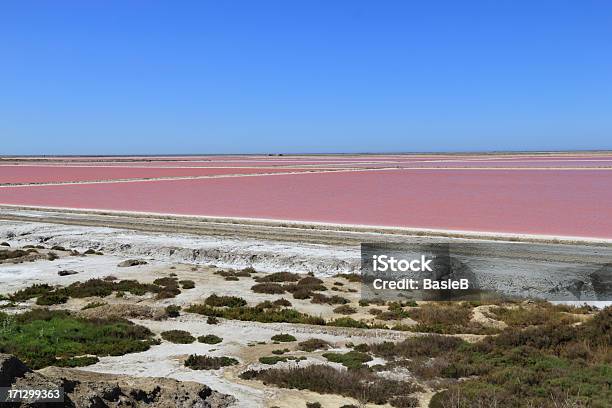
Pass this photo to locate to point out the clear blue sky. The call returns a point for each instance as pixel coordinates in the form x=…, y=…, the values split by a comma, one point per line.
x=121, y=77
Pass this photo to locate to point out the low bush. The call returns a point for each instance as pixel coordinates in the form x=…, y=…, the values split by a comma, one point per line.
x=302, y=293
x=351, y=277
x=77, y=361
x=178, y=336
x=228, y=301
x=531, y=316
x=187, y=284
x=196, y=362
x=429, y=346
x=282, y=302
x=311, y=345
x=256, y=314
x=279, y=277
x=352, y=359
x=279, y=351
x=283, y=338
x=271, y=288
x=52, y=298
x=92, y=305
x=173, y=311
x=330, y=300
x=271, y=360
x=41, y=337
x=360, y=384
x=30, y=292
x=210, y=339
x=348, y=322
x=345, y=310
x=212, y=320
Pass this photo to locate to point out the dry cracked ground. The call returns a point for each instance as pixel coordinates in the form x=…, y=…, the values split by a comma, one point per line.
x=117, y=330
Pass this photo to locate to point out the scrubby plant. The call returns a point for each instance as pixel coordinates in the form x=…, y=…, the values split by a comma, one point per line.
x=197, y=362
x=77, y=361
x=352, y=359
x=92, y=305
x=279, y=277
x=271, y=360
x=283, y=338
x=270, y=288
x=178, y=336
x=228, y=301
x=173, y=310
x=360, y=384
x=282, y=302
x=41, y=337
x=345, y=310
x=210, y=339
x=311, y=345
x=187, y=284
x=52, y=298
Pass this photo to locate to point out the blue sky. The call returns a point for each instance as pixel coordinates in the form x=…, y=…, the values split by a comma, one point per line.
x=154, y=77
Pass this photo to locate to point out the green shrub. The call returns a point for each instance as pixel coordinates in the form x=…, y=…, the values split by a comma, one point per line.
x=360, y=384
x=31, y=292
x=187, y=284
x=255, y=314
x=40, y=337
x=302, y=293
x=352, y=359
x=311, y=345
x=283, y=338
x=275, y=359
x=77, y=361
x=210, y=339
x=345, y=310
x=282, y=302
x=348, y=322
x=52, y=298
x=271, y=288
x=178, y=336
x=196, y=362
x=279, y=277
x=221, y=301
x=173, y=310
x=92, y=305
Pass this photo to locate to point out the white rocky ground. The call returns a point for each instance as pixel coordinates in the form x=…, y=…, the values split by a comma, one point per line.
x=268, y=256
